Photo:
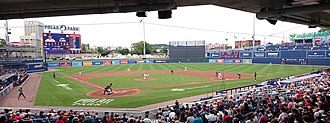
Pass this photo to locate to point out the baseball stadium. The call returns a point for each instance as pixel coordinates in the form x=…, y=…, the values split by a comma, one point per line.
x=62, y=80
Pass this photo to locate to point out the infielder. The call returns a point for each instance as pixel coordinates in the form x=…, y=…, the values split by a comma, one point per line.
x=185, y=69
x=219, y=75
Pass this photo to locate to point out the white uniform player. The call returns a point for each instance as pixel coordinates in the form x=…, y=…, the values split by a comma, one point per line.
x=145, y=76
x=128, y=70
x=185, y=69
x=219, y=75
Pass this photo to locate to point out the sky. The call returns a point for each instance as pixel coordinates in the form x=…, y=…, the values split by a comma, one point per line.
x=211, y=23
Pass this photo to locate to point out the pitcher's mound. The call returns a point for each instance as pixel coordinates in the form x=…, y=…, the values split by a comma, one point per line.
x=117, y=92
x=142, y=79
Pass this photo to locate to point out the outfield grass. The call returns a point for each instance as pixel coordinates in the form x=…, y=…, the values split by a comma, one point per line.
x=49, y=94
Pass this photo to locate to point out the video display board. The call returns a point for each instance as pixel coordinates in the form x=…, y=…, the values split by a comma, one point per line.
x=187, y=49
x=54, y=43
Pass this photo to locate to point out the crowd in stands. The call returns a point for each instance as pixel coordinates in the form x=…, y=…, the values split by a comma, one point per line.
x=306, y=101
x=62, y=116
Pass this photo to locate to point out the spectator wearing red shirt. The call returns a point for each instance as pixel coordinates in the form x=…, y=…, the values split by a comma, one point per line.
x=226, y=118
x=263, y=118
x=60, y=120
x=17, y=117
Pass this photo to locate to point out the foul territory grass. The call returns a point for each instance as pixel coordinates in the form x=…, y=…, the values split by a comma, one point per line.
x=51, y=94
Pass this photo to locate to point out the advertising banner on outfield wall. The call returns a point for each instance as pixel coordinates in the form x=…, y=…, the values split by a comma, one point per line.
x=76, y=63
x=106, y=62
x=259, y=54
x=97, y=63
x=149, y=61
x=229, y=60
x=65, y=64
x=34, y=66
x=115, y=62
x=237, y=61
x=247, y=61
x=316, y=54
x=139, y=62
x=245, y=54
x=131, y=61
x=87, y=63
x=220, y=61
x=273, y=54
x=161, y=61
x=212, y=60
x=123, y=62
x=53, y=64
x=214, y=55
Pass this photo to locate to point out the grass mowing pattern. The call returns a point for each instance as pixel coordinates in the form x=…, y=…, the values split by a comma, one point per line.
x=51, y=95
x=161, y=79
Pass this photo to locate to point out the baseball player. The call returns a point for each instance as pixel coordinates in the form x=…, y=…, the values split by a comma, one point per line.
x=255, y=76
x=219, y=75
x=145, y=76
x=21, y=93
x=239, y=75
x=185, y=69
x=80, y=74
x=110, y=85
x=172, y=71
x=128, y=70
x=54, y=75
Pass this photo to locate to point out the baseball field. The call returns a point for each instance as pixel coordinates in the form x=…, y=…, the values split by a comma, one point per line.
x=130, y=90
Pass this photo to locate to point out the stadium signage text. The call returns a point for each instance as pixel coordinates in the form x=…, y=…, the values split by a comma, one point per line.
x=259, y=54
x=61, y=27
x=160, y=61
x=272, y=54
x=184, y=89
x=309, y=35
x=65, y=86
x=91, y=102
x=38, y=66
x=246, y=54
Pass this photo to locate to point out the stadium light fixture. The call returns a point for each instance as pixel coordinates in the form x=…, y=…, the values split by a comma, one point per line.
x=165, y=14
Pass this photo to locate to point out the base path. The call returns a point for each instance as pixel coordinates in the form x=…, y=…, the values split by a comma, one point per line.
x=119, y=92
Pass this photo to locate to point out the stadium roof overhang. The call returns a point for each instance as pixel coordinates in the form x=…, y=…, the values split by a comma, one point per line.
x=308, y=12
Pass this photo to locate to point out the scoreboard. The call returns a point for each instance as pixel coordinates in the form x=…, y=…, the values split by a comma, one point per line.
x=187, y=49
x=54, y=43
